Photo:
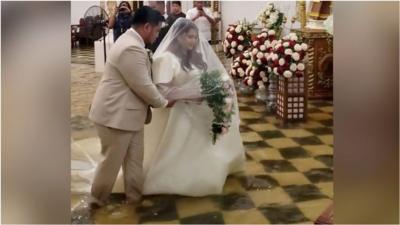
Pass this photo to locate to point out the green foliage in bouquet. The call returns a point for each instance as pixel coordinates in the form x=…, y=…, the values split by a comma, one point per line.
x=214, y=92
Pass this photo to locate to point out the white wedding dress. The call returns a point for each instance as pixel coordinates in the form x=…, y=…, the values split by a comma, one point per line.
x=180, y=157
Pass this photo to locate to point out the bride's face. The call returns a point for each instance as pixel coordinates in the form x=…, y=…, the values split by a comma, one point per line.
x=189, y=40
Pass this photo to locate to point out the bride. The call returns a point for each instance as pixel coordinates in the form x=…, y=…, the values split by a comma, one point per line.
x=180, y=157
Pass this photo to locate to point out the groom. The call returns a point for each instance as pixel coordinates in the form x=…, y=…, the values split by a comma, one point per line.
x=121, y=107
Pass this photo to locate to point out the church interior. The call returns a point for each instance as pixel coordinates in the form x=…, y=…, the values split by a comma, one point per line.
x=286, y=116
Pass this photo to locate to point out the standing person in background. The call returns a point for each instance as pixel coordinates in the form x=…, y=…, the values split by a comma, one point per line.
x=176, y=12
x=160, y=7
x=203, y=19
x=121, y=20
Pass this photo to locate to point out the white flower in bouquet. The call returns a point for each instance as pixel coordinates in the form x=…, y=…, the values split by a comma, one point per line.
x=248, y=62
x=240, y=47
x=265, y=79
x=287, y=74
x=233, y=51
x=304, y=46
x=296, y=56
x=260, y=55
x=262, y=74
x=263, y=48
x=238, y=29
x=269, y=69
x=246, y=54
x=285, y=44
x=271, y=32
x=259, y=62
x=285, y=38
x=274, y=56
x=262, y=87
x=266, y=55
x=234, y=72
x=244, y=61
x=288, y=51
x=240, y=70
x=278, y=46
x=276, y=71
x=297, y=47
x=274, y=42
x=250, y=82
x=293, y=38
x=293, y=67
x=231, y=29
x=240, y=38
x=254, y=51
x=260, y=83
x=267, y=12
x=281, y=61
x=234, y=44
x=252, y=73
x=226, y=43
x=241, y=74
x=300, y=66
x=230, y=36
x=236, y=64
x=255, y=43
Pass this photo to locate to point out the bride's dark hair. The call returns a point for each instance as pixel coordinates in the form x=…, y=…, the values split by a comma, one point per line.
x=187, y=57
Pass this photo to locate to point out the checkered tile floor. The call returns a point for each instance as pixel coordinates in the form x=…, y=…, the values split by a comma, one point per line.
x=288, y=177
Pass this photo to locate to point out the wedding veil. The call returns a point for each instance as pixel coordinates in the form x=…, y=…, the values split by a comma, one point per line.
x=201, y=58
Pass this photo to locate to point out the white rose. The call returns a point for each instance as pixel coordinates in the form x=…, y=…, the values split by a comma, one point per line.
x=293, y=67
x=274, y=56
x=266, y=55
x=264, y=79
x=301, y=66
x=287, y=74
x=236, y=64
x=304, y=46
x=226, y=43
x=255, y=51
x=255, y=43
x=285, y=44
x=230, y=36
x=262, y=74
x=281, y=62
x=252, y=73
x=271, y=32
x=297, y=47
x=248, y=62
x=241, y=74
x=241, y=38
x=260, y=55
x=296, y=56
x=238, y=29
x=263, y=48
x=274, y=42
x=293, y=38
x=267, y=13
x=250, y=82
x=234, y=72
x=246, y=54
x=278, y=45
x=240, y=70
x=232, y=51
x=286, y=38
x=231, y=29
x=244, y=61
x=288, y=51
x=269, y=69
x=276, y=71
x=259, y=62
x=240, y=47
x=234, y=44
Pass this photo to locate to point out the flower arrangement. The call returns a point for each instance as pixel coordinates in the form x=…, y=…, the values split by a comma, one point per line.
x=262, y=46
x=237, y=38
x=218, y=91
x=240, y=64
x=288, y=56
x=272, y=18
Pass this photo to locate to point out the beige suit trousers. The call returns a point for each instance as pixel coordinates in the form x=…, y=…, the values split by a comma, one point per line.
x=118, y=148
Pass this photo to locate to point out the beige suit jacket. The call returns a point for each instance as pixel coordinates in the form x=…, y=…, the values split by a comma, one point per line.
x=126, y=90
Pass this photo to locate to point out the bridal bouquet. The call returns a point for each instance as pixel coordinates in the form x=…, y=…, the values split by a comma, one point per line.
x=262, y=47
x=288, y=57
x=240, y=65
x=218, y=91
x=237, y=38
x=272, y=18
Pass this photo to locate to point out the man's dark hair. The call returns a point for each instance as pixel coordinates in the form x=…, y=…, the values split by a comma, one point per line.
x=177, y=3
x=145, y=15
